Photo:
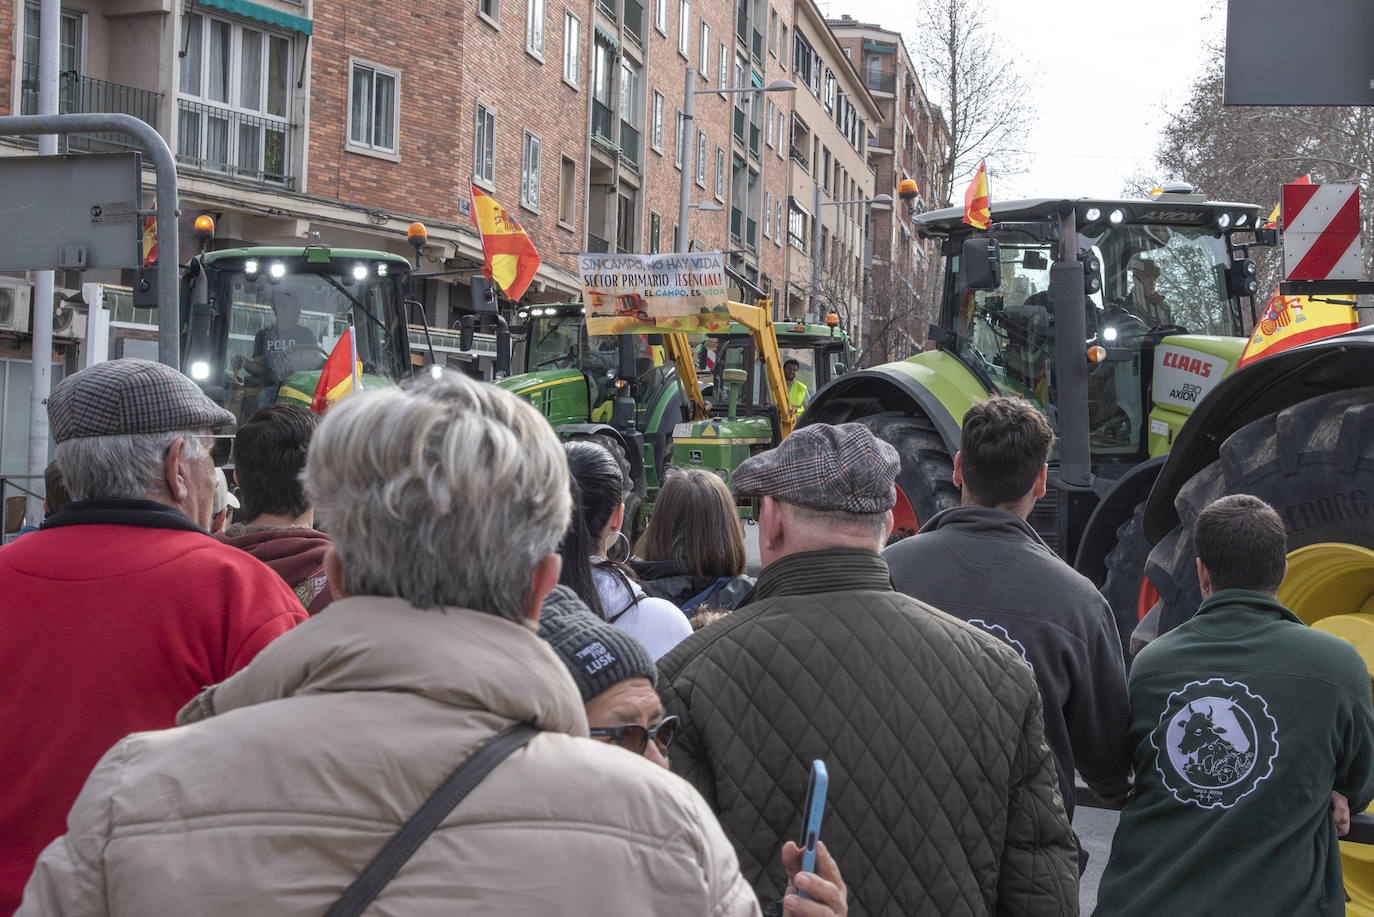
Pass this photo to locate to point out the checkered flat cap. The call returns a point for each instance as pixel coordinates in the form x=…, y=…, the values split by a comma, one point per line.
x=825, y=467
x=129, y=396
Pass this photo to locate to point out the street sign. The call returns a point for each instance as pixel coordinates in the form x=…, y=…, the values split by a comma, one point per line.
x=1316, y=52
x=74, y=212
x=1321, y=232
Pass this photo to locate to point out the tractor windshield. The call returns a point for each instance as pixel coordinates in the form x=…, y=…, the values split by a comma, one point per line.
x=282, y=317
x=1156, y=280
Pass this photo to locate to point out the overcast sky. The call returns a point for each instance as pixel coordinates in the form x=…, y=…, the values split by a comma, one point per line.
x=1105, y=74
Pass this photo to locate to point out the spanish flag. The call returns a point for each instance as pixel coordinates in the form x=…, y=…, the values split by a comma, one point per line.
x=511, y=257
x=1288, y=321
x=149, y=240
x=336, y=378
x=976, y=200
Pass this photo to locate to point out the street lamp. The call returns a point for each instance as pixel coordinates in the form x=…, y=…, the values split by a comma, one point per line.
x=689, y=134
x=884, y=199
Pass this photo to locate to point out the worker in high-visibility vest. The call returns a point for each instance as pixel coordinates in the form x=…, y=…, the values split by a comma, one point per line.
x=796, y=389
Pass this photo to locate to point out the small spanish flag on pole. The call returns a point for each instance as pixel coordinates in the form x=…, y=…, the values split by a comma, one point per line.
x=511, y=256
x=976, y=200
x=341, y=373
x=149, y=240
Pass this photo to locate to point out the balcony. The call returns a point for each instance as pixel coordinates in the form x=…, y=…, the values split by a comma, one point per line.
x=629, y=146
x=800, y=157
x=597, y=245
x=603, y=123
x=78, y=94
x=885, y=143
x=880, y=82
x=215, y=139
x=743, y=231
x=634, y=22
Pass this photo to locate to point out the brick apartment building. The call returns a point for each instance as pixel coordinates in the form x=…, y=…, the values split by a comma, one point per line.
x=910, y=144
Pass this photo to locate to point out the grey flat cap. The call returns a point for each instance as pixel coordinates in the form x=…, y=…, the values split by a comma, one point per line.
x=130, y=396
x=825, y=467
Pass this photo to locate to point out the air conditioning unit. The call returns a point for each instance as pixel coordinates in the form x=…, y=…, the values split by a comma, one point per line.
x=69, y=315
x=16, y=299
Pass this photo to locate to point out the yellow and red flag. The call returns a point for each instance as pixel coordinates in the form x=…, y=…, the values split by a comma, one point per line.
x=341, y=374
x=976, y=200
x=149, y=240
x=1288, y=321
x=511, y=257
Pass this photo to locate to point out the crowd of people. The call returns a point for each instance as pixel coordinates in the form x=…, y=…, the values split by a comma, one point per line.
x=417, y=661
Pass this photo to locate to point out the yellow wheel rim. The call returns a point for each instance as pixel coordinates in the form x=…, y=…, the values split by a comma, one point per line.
x=1331, y=587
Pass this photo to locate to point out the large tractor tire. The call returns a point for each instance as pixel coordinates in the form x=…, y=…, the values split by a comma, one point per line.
x=632, y=499
x=1126, y=588
x=925, y=483
x=1314, y=463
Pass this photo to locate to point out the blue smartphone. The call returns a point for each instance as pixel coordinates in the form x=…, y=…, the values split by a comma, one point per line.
x=812, y=814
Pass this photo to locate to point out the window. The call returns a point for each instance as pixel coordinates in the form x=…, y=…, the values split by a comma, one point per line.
x=701, y=158
x=676, y=247
x=625, y=223
x=777, y=221
x=829, y=90
x=534, y=27
x=720, y=174
x=796, y=225
x=484, y=145
x=772, y=33
x=372, y=117
x=723, y=72
x=661, y=16
x=704, y=51
x=234, y=88
x=529, y=172
x=657, y=136
x=655, y=227
x=489, y=9
x=782, y=132
x=684, y=19
x=572, y=47
x=567, y=190
x=782, y=50
x=677, y=150
x=767, y=214
x=768, y=121
x=846, y=54
x=71, y=59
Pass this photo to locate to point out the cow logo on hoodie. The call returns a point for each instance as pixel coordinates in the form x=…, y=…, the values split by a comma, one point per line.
x=1215, y=742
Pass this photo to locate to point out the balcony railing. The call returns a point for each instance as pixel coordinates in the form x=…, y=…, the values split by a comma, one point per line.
x=603, y=122
x=880, y=82
x=886, y=139
x=217, y=139
x=634, y=21
x=629, y=145
x=800, y=157
x=78, y=94
x=597, y=245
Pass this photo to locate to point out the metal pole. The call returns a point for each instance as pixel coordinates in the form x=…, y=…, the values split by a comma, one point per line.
x=684, y=190
x=816, y=250
x=164, y=168
x=49, y=24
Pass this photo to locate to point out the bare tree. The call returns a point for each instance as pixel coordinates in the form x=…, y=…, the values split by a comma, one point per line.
x=1247, y=154
x=985, y=98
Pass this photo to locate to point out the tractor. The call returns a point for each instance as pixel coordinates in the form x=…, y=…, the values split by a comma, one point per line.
x=1124, y=320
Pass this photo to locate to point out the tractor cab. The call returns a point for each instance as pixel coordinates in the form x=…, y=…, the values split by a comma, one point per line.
x=1152, y=271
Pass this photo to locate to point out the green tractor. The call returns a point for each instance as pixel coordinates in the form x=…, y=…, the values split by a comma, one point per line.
x=258, y=322
x=638, y=393
x=1124, y=321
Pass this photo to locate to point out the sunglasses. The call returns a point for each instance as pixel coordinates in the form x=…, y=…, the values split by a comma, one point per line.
x=219, y=445
x=635, y=737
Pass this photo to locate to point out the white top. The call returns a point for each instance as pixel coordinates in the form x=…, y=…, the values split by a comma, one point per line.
x=656, y=623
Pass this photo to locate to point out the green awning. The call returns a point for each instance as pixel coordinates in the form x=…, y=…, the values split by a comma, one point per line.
x=250, y=10
x=881, y=49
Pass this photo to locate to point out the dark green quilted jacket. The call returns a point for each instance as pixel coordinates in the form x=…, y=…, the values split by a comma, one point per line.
x=943, y=795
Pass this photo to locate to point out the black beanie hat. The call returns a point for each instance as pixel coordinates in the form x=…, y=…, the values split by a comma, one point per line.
x=597, y=654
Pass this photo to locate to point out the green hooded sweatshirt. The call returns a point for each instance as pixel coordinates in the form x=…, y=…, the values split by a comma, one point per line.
x=1243, y=720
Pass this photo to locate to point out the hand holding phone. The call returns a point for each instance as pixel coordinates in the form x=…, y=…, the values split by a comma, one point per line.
x=812, y=813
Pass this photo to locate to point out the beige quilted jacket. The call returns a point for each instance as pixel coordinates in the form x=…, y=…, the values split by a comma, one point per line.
x=291, y=775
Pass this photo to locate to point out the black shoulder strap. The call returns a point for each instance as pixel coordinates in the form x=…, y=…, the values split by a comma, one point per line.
x=434, y=810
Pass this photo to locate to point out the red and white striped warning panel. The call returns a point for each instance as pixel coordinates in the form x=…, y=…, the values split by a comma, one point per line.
x=1321, y=232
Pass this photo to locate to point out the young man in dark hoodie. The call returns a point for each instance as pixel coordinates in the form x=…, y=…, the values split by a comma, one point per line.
x=982, y=562
x=269, y=455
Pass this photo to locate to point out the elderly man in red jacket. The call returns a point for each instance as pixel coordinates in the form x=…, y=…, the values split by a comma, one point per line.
x=121, y=607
